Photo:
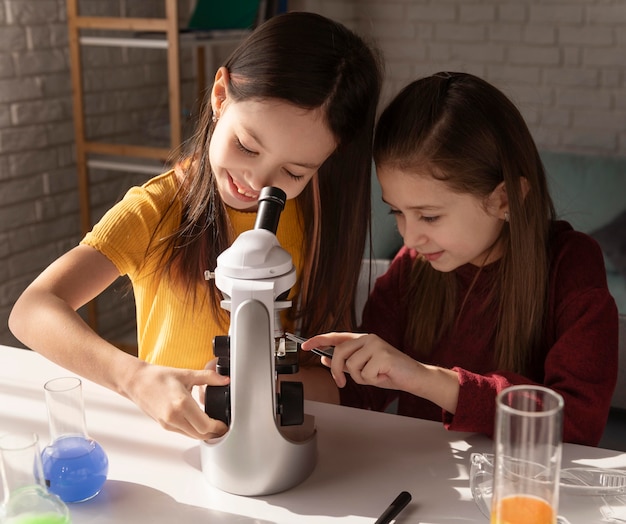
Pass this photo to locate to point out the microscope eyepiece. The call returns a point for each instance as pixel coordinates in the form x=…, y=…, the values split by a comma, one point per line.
x=271, y=204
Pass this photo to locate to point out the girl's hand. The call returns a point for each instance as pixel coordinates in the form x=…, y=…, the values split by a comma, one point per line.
x=212, y=366
x=165, y=394
x=372, y=361
x=369, y=360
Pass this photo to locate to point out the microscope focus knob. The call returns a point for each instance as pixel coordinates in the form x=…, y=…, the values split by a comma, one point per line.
x=221, y=346
x=290, y=403
x=221, y=349
x=217, y=403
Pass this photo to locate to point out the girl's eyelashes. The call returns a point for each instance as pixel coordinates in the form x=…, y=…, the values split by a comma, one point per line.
x=293, y=176
x=425, y=218
x=243, y=148
x=249, y=152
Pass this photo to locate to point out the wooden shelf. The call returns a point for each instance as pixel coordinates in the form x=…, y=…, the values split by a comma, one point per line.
x=127, y=164
x=151, y=40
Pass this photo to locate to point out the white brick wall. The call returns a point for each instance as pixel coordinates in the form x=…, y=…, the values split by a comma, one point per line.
x=562, y=61
x=34, y=143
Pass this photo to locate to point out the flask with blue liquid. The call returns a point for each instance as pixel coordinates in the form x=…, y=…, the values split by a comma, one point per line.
x=75, y=466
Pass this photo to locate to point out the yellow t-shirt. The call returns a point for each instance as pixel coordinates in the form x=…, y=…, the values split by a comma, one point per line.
x=170, y=330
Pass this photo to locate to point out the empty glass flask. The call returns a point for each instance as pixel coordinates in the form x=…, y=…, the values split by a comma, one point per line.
x=25, y=497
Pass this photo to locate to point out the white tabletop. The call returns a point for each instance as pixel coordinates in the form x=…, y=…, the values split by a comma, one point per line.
x=365, y=460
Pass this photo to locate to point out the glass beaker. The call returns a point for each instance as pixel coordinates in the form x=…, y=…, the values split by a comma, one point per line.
x=528, y=444
x=74, y=465
x=26, y=499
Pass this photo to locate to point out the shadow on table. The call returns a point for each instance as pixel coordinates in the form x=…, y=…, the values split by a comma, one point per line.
x=121, y=501
x=361, y=470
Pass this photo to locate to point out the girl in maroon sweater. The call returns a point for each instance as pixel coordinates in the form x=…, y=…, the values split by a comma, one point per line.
x=489, y=290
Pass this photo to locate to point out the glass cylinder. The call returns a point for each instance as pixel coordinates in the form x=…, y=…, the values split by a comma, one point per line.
x=25, y=497
x=528, y=444
x=75, y=466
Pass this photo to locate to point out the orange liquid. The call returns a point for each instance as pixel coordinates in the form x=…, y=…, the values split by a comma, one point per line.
x=523, y=509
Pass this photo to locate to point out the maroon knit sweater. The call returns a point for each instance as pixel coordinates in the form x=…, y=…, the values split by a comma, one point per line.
x=578, y=358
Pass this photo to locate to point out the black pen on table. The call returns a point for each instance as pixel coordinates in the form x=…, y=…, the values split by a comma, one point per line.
x=398, y=504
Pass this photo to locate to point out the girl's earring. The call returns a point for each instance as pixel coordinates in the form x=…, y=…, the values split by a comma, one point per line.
x=506, y=216
x=215, y=114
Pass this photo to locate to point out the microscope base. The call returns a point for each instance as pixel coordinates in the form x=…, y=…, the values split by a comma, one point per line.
x=284, y=467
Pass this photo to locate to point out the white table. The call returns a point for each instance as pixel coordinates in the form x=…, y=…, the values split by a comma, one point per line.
x=365, y=460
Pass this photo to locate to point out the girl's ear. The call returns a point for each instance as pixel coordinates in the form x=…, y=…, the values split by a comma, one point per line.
x=499, y=199
x=498, y=202
x=219, y=92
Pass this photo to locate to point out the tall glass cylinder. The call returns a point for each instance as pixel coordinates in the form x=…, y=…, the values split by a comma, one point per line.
x=25, y=497
x=75, y=466
x=528, y=443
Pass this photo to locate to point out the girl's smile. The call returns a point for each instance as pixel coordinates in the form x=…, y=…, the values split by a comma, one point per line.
x=242, y=192
x=432, y=257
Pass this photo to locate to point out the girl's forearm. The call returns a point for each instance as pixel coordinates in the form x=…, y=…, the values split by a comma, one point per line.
x=318, y=383
x=47, y=324
x=439, y=385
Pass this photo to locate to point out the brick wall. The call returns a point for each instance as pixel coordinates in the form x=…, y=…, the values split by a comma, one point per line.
x=38, y=203
x=562, y=61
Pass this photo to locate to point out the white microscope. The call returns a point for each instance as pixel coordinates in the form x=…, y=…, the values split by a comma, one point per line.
x=261, y=453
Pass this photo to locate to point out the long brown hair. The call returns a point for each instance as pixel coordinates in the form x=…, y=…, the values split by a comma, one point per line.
x=467, y=133
x=311, y=62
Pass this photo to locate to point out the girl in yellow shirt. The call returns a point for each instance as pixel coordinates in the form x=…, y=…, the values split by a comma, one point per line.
x=292, y=107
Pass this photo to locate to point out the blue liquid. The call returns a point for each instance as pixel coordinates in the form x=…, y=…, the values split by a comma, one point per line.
x=75, y=468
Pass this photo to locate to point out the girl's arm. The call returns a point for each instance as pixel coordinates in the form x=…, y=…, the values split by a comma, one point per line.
x=44, y=318
x=371, y=361
x=318, y=383
x=581, y=365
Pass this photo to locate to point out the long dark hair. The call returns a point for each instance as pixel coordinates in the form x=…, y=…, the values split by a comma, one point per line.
x=312, y=62
x=462, y=130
